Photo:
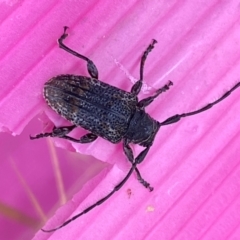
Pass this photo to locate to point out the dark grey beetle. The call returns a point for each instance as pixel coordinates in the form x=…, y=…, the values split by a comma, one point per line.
x=107, y=112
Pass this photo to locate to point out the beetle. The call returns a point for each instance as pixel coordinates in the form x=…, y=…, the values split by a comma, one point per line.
x=108, y=112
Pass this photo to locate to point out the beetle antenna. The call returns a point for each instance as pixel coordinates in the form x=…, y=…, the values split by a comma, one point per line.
x=99, y=202
x=177, y=117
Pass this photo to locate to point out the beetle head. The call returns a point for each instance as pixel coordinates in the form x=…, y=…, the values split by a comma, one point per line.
x=142, y=129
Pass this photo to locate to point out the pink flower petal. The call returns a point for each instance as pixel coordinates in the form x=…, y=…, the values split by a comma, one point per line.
x=193, y=164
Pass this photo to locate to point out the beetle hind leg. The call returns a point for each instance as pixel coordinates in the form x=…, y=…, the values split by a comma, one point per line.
x=56, y=132
x=92, y=69
x=87, y=138
x=138, y=85
x=62, y=132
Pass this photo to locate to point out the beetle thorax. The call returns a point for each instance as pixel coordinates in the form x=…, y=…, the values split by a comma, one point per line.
x=142, y=129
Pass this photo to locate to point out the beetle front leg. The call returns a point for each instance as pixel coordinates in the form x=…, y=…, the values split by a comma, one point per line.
x=62, y=132
x=92, y=69
x=136, y=88
x=129, y=154
x=142, y=181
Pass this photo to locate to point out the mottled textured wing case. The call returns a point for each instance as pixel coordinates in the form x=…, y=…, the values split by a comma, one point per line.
x=94, y=105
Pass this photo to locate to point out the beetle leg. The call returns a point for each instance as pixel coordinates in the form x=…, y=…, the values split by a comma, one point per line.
x=62, y=132
x=177, y=117
x=56, y=132
x=89, y=137
x=146, y=101
x=138, y=85
x=92, y=69
x=129, y=154
x=142, y=181
x=128, y=151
